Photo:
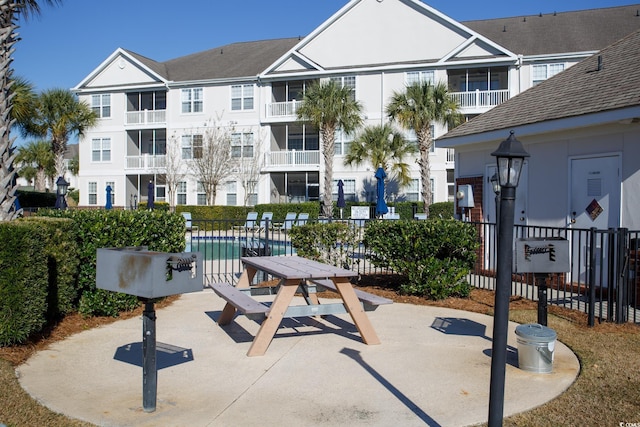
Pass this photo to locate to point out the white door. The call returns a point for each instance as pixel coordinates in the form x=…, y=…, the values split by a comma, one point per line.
x=594, y=202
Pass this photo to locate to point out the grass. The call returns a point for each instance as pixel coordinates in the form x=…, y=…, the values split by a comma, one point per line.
x=606, y=392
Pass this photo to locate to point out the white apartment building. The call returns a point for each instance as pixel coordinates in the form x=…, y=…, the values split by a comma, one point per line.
x=149, y=110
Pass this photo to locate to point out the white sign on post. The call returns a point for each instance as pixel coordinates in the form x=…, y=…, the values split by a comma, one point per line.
x=359, y=212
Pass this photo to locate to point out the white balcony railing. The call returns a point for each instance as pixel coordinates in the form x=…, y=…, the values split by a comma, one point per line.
x=480, y=99
x=283, y=109
x=292, y=158
x=145, y=117
x=145, y=162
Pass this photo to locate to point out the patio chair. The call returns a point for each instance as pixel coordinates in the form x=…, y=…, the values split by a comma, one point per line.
x=302, y=219
x=250, y=222
x=420, y=216
x=289, y=219
x=187, y=221
x=266, y=216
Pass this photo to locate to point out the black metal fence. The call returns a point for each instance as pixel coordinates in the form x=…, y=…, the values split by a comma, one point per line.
x=603, y=281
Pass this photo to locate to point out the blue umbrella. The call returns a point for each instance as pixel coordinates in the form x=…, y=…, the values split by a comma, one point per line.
x=108, y=205
x=381, y=205
x=150, y=198
x=341, y=203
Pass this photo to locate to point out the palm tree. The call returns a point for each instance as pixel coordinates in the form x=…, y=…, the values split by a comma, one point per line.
x=37, y=155
x=10, y=10
x=330, y=106
x=24, y=101
x=59, y=116
x=419, y=107
x=382, y=146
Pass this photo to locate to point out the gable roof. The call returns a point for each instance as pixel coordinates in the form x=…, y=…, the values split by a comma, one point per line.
x=580, y=31
x=583, y=89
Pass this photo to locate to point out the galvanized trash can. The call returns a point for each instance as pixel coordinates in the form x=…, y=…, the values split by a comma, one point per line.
x=535, y=348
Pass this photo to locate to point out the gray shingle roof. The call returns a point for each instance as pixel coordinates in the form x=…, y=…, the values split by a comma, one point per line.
x=579, y=31
x=580, y=90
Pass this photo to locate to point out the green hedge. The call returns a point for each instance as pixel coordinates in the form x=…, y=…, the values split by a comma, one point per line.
x=435, y=256
x=331, y=243
x=159, y=230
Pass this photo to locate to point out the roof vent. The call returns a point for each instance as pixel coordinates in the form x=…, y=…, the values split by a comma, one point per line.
x=554, y=13
x=540, y=15
x=600, y=66
x=504, y=29
x=524, y=19
x=221, y=52
x=637, y=12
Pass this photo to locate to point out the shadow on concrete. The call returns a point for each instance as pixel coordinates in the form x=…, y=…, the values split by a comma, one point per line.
x=167, y=355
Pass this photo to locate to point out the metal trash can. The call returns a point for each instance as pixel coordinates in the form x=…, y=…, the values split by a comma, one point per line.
x=535, y=347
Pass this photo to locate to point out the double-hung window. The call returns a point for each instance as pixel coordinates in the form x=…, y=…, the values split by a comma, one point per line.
x=101, y=104
x=241, y=97
x=348, y=82
x=191, y=147
x=192, y=100
x=232, y=193
x=342, y=142
x=542, y=72
x=201, y=194
x=412, y=190
x=348, y=188
x=112, y=184
x=93, y=193
x=421, y=77
x=182, y=193
x=101, y=150
x=242, y=145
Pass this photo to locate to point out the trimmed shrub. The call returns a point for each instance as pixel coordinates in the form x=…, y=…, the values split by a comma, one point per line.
x=331, y=243
x=435, y=256
x=23, y=281
x=441, y=210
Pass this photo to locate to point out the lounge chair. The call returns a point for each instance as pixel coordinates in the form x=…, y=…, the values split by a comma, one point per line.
x=420, y=216
x=302, y=219
x=187, y=221
x=288, y=221
x=266, y=216
x=250, y=222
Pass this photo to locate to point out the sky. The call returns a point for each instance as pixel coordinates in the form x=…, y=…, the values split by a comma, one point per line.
x=59, y=48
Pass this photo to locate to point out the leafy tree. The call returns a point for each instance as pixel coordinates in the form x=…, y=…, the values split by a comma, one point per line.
x=330, y=106
x=59, y=116
x=37, y=155
x=24, y=101
x=419, y=107
x=382, y=146
x=10, y=11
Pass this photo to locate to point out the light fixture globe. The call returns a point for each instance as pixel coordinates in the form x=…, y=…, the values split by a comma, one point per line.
x=510, y=157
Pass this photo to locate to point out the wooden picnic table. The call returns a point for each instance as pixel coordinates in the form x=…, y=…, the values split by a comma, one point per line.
x=296, y=274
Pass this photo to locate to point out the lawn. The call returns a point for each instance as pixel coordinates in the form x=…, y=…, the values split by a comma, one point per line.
x=606, y=392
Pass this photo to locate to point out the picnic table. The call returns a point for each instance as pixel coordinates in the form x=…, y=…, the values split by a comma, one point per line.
x=296, y=274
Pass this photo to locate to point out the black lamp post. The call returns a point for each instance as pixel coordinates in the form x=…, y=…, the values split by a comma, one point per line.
x=510, y=156
x=61, y=191
x=496, y=189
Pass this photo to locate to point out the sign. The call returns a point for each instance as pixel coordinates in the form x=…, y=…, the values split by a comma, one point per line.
x=360, y=212
x=542, y=255
x=594, y=210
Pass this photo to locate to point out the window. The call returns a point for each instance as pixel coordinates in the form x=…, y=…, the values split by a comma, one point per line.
x=111, y=184
x=232, y=193
x=541, y=72
x=242, y=144
x=101, y=150
x=192, y=100
x=201, y=195
x=93, y=193
x=252, y=200
x=419, y=77
x=412, y=192
x=182, y=193
x=347, y=81
x=343, y=141
x=241, y=97
x=191, y=147
x=101, y=104
x=349, y=188
x=451, y=185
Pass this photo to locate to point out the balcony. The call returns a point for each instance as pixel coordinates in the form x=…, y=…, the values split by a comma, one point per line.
x=480, y=100
x=292, y=160
x=146, y=117
x=145, y=162
x=282, y=111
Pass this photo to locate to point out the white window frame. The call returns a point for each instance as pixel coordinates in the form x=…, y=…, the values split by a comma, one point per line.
x=546, y=71
x=201, y=195
x=242, y=145
x=242, y=97
x=113, y=190
x=342, y=142
x=92, y=193
x=100, y=150
x=192, y=100
x=101, y=104
x=347, y=81
x=412, y=190
x=232, y=193
x=191, y=146
x=348, y=187
x=181, y=193
x=422, y=76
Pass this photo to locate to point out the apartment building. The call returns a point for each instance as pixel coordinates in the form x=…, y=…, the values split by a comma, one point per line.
x=154, y=116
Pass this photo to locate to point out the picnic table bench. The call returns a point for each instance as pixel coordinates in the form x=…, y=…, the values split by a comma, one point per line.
x=297, y=275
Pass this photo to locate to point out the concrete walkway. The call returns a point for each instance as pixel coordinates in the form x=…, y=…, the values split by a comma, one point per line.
x=432, y=368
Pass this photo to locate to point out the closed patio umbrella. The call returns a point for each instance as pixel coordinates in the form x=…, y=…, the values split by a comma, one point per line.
x=341, y=203
x=150, y=195
x=381, y=205
x=108, y=205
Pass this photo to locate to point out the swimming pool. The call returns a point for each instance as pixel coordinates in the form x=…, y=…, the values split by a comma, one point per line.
x=229, y=248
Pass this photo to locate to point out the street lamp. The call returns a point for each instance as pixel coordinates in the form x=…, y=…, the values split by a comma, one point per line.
x=510, y=157
x=496, y=190
x=61, y=192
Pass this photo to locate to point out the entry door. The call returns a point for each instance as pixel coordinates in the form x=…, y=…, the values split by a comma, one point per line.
x=595, y=202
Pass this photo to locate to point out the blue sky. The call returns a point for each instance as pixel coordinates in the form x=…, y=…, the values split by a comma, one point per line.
x=64, y=44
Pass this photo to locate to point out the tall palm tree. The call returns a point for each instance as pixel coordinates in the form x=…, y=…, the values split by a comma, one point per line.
x=37, y=155
x=10, y=10
x=60, y=115
x=23, y=102
x=329, y=107
x=382, y=146
x=419, y=107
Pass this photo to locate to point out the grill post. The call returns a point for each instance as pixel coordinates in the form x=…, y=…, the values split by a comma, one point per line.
x=149, y=367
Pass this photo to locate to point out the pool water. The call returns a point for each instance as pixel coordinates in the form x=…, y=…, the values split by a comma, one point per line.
x=233, y=248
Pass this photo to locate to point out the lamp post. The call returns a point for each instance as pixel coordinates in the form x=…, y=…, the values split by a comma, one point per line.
x=510, y=157
x=496, y=189
x=61, y=191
